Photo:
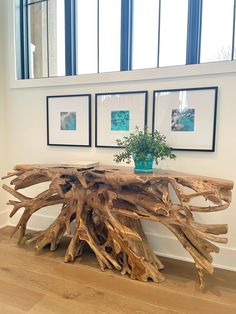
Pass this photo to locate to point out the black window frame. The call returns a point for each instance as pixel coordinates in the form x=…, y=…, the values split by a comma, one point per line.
x=193, y=44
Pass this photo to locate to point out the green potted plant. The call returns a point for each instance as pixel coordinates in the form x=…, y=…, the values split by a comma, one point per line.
x=144, y=148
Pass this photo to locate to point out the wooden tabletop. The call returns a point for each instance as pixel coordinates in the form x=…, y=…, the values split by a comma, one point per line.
x=156, y=172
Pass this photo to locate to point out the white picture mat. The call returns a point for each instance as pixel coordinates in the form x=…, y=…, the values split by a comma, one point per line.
x=78, y=104
x=203, y=101
x=134, y=102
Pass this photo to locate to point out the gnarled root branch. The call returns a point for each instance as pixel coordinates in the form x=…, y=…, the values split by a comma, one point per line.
x=107, y=206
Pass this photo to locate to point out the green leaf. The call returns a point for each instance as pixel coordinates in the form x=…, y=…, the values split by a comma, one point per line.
x=142, y=143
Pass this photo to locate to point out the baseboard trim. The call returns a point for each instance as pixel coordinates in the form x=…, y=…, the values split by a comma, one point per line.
x=4, y=218
x=162, y=245
x=37, y=222
x=225, y=259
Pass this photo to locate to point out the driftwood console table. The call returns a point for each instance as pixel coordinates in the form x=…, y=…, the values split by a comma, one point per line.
x=107, y=204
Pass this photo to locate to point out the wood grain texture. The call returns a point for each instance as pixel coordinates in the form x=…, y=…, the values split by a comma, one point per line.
x=107, y=206
x=46, y=286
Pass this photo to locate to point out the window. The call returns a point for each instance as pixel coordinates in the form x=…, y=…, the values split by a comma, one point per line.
x=56, y=37
x=234, y=45
x=234, y=35
x=74, y=37
x=173, y=32
x=145, y=34
x=217, y=34
x=37, y=45
x=109, y=35
x=42, y=38
x=87, y=39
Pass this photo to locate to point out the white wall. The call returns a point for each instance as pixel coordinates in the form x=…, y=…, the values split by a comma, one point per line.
x=26, y=128
x=3, y=213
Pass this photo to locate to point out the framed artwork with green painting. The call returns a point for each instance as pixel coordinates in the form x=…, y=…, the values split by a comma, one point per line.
x=69, y=120
x=117, y=115
x=187, y=117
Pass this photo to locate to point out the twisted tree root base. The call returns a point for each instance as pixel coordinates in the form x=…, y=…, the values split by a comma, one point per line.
x=107, y=205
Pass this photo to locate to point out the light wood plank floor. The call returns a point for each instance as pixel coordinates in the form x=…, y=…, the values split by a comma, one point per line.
x=44, y=284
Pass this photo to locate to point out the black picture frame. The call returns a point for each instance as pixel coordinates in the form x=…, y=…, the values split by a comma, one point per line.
x=110, y=101
x=68, y=137
x=198, y=106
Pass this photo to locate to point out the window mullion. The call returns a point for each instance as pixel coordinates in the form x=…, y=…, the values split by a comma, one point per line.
x=194, y=31
x=70, y=37
x=126, y=35
x=24, y=51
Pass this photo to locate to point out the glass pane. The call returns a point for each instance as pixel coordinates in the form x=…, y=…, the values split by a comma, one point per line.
x=217, y=27
x=87, y=39
x=38, y=58
x=18, y=40
x=145, y=34
x=173, y=32
x=33, y=1
x=109, y=35
x=56, y=36
x=235, y=41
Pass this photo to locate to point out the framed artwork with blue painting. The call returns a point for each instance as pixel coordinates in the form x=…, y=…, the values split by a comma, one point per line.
x=117, y=115
x=69, y=120
x=187, y=117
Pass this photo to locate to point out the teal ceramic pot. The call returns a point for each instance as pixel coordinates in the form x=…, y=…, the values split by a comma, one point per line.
x=143, y=166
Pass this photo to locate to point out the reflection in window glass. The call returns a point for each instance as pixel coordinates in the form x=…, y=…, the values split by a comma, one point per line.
x=217, y=27
x=145, y=34
x=56, y=37
x=38, y=58
x=87, y=36
x=109, y=35
x=173, y=32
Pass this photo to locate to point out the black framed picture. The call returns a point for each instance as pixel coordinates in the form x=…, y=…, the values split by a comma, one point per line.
x=117, y=115
x=69, y=120
x=187, y=117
